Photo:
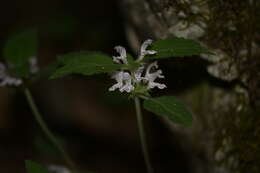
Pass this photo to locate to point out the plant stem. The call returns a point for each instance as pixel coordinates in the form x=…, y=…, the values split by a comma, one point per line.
x=142, y=135
x=46, y=130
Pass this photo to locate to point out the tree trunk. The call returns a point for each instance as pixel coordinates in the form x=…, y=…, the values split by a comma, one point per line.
x=225, y=136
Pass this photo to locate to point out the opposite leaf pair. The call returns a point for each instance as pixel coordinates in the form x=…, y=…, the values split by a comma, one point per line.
x=136, y=76
x=132, y=76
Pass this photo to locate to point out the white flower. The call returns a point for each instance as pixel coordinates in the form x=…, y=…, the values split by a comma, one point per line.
x=150, y=77
x=127, y=87
x=144, y=52
x=6, y=79
x=34, y=68
x=138, y=74
x=124, y=82
x=122, y=52
x=118, y=76
x=58, y=169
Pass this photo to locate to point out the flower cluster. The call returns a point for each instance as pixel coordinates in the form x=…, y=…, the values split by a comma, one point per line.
x=127, y=80
x=7, y=79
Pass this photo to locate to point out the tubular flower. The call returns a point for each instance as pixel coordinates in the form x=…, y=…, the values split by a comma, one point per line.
x=144, y=52
x=127, y=80
x=127, y=87
x=138, y=74
x=150, y=77
x=118, y=76
x=6, y=79
x=122, y=52
x=124, y=82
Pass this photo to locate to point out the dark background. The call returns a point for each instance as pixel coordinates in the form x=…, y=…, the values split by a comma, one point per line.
x=98, y=128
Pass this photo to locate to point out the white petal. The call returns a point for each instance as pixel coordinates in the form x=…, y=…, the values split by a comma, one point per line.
x=145, y=52
x=18, y=82
x=124, y=82
x=116, y=59
x=155, y=84
x=118, y=76
x=128, y=87
x=58, y=169
x=6, y=79
x=150, y=52
x=145, y=44
x=154, y=64
x=114, y=87
x=122, y=52
x=151, y=77
x=34, y=68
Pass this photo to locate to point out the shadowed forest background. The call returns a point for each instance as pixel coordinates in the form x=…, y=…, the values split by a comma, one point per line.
x=98, y=127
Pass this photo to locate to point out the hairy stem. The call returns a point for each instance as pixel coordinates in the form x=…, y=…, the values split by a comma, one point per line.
x=46, y=130
x=142, y=135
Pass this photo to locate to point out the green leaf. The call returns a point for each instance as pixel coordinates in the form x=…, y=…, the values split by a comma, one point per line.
x=176, y=47
x=33, y=167
x=18, y=49
x=170, y=107
x=85, y=63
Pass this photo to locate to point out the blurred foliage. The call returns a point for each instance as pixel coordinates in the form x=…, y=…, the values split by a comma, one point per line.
x=33, y=167
x=18, y=49
x=45, y=147
x=85, y=63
